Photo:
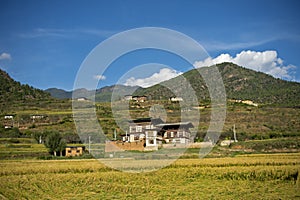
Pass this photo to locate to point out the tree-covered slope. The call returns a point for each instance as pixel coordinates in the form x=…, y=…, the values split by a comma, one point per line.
x=239, y=82
x=59, y=93
x=13, y=92
x=114, y=92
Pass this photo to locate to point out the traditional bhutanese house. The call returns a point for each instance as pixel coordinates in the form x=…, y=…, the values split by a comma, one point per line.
x=175, y=132
x=8, y=121
x=74, y=151
x=139, y=127
x=139, y=98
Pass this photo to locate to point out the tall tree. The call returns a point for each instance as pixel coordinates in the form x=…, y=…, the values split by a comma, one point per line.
x=54, y=143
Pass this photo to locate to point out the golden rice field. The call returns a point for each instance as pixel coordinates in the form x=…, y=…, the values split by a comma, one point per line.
x=262, y=176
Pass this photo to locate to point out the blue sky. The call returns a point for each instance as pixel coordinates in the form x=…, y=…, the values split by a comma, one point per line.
x=43, y=43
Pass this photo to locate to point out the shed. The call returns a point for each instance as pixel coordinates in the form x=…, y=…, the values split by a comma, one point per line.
x=74, y=151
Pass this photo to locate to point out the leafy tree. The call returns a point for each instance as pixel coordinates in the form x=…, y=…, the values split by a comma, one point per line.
x=55, y=143
x=61, y=147
x=40, y=137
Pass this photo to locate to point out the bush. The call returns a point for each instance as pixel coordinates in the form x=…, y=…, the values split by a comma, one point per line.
x=10, y=133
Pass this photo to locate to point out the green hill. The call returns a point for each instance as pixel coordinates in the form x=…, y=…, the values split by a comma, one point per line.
x=59, y=93
x=13, y=92
x=114, y=92
x=239, y=82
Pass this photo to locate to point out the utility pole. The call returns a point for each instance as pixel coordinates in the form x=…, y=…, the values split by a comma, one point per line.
x=115, y=134
x=89, y=144
x=234, y=133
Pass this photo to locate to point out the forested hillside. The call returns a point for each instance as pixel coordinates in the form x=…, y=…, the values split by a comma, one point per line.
x=14, y=93
x=239, y=82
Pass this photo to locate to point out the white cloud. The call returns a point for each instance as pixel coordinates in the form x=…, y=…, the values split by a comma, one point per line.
x=216, y=45
x=163, y=75
x=100, y=77
x=266, y=61
x=5, y=56
x=64, y=33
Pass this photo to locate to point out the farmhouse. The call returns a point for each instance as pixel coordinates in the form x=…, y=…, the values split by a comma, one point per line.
x=154, y=133
x=140, y=99
x=139, y=127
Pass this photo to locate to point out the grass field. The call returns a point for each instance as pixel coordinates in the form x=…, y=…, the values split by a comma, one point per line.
x=259, y=176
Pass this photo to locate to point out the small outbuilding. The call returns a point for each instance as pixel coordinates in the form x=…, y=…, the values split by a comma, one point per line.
x=74, y=151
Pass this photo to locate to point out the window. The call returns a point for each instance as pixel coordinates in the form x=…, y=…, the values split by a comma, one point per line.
x=139, y=129
x=165, y=135
x=172, y=134
x=131, y=129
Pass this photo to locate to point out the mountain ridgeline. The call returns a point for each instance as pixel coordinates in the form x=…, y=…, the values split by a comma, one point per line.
x=105, y=94
x=240, y=83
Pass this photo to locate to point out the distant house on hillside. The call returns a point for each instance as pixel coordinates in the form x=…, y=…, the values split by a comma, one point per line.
x=8, y=117
x=176, y=99
x=139, y=98
x=37, y=116
x=248, y=102
x=8, y=121
x=82, y=99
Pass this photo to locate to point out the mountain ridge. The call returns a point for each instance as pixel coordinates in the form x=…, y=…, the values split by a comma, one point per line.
x=103, y=94
x=239, y=83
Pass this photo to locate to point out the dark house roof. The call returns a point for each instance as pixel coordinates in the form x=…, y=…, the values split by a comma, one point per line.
x=175, y=125
x=148, y=119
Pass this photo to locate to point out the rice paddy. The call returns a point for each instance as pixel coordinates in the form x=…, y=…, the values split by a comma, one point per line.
x=259, y=176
